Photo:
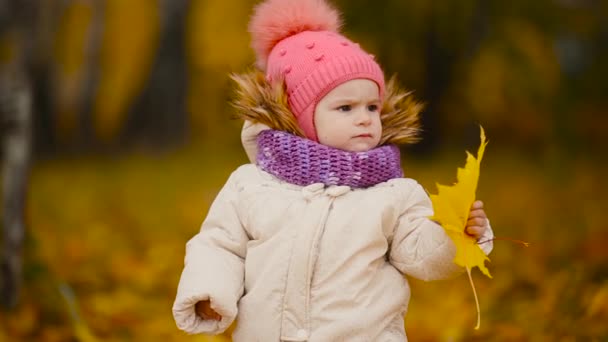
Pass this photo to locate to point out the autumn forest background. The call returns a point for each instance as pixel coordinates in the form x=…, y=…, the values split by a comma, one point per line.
x=117, y=134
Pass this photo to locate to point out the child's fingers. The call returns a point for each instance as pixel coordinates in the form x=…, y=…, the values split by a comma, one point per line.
x=476, y=224
x=475, y=231
x=477, y=205
x=477, y=221
x=477, y=213
x=198, y=308
x=211, y=314
x=203, y=309
x=215, y=316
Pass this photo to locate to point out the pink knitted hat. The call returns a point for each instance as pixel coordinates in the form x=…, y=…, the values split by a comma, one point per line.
x=298, y=41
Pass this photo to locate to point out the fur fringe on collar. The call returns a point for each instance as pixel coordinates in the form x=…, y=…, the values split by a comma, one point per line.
x=258, y=101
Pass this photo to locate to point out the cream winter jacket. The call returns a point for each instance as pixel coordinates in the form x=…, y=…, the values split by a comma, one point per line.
x=310, y=263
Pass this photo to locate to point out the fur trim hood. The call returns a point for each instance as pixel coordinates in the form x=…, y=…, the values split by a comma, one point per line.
x=263, y=105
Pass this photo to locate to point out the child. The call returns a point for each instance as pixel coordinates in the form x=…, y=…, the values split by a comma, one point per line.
x=312, y=240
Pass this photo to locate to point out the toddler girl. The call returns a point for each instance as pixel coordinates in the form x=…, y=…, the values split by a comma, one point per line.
x=312, y=240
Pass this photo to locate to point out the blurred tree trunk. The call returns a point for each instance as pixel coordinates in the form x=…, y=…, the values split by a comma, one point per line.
x=26, y=32
x=91, y=74
x=158, y=117
x=440, y=69
x=16, y=118
x=40, y=32
x=15, y=108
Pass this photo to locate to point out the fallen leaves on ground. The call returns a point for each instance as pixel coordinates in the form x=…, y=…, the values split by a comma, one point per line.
x=114, y=230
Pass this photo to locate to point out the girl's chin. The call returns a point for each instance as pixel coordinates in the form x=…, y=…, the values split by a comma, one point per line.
x=359, y=147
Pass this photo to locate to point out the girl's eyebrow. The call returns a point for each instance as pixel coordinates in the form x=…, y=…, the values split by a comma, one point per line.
x=355, y=100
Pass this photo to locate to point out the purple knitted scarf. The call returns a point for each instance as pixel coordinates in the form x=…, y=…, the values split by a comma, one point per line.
x=303, y=162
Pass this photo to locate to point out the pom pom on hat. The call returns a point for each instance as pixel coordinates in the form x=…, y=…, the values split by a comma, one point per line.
x=275, y=20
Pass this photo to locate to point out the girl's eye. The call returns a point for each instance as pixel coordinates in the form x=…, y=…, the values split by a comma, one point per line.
x=345, y=108
x=372, y=108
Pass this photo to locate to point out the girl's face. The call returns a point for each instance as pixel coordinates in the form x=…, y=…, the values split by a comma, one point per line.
x=348, y=117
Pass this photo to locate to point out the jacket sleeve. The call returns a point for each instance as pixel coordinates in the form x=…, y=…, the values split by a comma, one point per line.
x=214, y=267
x=420, y=247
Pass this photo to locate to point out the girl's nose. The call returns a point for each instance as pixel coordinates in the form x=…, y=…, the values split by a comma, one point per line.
x=363, y=117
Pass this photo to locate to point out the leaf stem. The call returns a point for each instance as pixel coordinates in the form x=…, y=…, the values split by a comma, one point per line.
x=476, y=300
x=521, y=242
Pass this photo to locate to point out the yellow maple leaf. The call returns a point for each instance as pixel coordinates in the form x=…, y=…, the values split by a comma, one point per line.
x=452, y=205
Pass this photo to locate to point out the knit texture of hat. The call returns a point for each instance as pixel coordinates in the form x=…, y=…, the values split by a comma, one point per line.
x=297, y=41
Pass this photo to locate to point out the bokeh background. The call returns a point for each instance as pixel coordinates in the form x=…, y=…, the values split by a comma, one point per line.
x=117, y=134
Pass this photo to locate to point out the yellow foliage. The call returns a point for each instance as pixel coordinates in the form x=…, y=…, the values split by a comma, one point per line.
x=133, y=214
x=599, y=302
x=538, y=52
x=451, y=207
x=487, y=82
x=71, y=40
x=131, y=36
x=513, y=79
x=217, y=34
x=217, y=42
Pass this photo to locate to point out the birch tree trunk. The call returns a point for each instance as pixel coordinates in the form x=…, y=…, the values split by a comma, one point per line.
x=15, y=109
x=26, y=33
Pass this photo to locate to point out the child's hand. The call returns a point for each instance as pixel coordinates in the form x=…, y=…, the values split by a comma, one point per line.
x=203, y=310
x=478, y=221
